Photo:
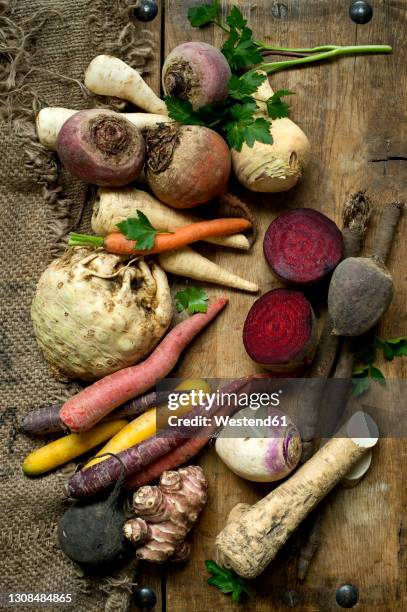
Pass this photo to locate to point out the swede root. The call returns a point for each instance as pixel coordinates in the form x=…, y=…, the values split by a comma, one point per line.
x=166, y=513
x=101, y=147
x=109, y=76
x=273, y=167
x=302, y=246
x=248, y=544
x=112, y=206
x=90, y=405
x=280, y=331
x=189, y=263
x=187, y=165
x=197, y=72
x=361, y=288
x=50, y=120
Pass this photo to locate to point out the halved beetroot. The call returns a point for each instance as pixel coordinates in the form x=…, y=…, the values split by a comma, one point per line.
x=280, y=331
x=302, y=246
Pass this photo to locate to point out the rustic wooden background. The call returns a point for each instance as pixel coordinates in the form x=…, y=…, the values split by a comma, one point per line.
x=354, y=113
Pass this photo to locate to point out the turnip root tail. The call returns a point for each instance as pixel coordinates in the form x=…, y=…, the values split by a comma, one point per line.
x=388, y=225
x=109, y=76
x=250, y=542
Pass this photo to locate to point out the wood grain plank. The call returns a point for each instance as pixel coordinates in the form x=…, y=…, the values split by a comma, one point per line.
x=353, y=111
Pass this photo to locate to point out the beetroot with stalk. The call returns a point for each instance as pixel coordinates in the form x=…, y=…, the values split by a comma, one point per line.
x=101, y=147
x=197, y=72
x=280, y=331
x=302, y=246
x=187, y=165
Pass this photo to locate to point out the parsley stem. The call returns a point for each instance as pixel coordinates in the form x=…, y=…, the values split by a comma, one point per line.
x=222, y=26
x=266, y=47
x=272, y=67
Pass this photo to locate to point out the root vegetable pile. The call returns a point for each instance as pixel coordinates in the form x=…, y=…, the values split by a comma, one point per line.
x=280, y=331
x=166, y=513
x=303, y=246
x=101, y=147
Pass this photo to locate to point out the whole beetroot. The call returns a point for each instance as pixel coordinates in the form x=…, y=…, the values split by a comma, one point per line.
x=187, y=165
x=101, y=147
x=197, y=72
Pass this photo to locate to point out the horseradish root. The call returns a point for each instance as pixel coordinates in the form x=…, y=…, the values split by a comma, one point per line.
x=109, y=76
x=302, y=246
x=280, y=331
x=166, y=513
x=112, y=206
x=361, y=288
x=248, y=544
x=101, y=147
x=197, y=72
x=187, y=165
x=50, y=120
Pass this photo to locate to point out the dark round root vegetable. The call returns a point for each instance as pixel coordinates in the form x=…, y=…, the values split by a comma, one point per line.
x=302, y=246
x=91, y=533
x=187, y=165
x=280, y=331
x=101, y=147
x=197, y=72
x=360, y=292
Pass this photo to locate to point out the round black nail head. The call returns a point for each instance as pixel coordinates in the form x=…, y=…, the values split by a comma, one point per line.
x=145, y=598
x=146, y=10
x=360, y=11
x=347, y=596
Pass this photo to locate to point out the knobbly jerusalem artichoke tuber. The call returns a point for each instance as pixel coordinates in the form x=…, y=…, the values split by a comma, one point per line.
x=166, y=513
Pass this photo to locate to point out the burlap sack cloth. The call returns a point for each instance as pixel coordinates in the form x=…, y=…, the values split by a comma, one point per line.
x=44, y=45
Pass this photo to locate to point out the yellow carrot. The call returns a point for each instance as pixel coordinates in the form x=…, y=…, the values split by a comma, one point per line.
x=145, y=425
x=69, y=447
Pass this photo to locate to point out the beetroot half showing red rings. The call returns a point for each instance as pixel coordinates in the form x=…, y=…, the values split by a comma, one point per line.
x=302, y=246
x=280, y=331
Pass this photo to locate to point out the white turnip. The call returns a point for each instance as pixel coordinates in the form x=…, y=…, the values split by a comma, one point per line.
x=197, y=72
x=101, y=147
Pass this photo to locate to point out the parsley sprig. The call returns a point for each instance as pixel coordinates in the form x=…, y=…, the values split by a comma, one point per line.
x=227, y=581
x=192, y=299
x=365, y=358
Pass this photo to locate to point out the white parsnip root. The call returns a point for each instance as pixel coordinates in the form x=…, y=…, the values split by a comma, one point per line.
x=249, y=542
x=273, y=167
x=109, y=76
x=51, y=119
x=187, y=262
x=115, y=205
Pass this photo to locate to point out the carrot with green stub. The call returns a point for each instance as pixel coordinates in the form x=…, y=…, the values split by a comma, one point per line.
x=118, y=243
x=83, y=410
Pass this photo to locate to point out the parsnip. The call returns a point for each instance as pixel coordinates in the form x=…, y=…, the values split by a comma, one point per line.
x=114, y=205
x=109, y=76
x=50, y=120
x=273, y=167
x=250, y=542
x=189, y=263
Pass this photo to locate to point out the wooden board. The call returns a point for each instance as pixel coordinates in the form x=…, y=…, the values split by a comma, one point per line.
x=353, y=111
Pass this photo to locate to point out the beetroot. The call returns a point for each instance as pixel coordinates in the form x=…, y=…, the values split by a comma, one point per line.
x=101, y=147
x=280, y=331
x=302, y=246
x=197, y=72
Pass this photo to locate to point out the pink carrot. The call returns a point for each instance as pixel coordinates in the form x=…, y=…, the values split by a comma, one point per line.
x=90, y=405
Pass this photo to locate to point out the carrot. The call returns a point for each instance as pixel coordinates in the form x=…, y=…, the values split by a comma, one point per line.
x=118, y=244
x=69, y=447
x=144, y=426
x=91, y=404
x=99, y=477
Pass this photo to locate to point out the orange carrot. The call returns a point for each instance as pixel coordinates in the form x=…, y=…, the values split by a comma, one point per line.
x=90, y=405
x=117, y=243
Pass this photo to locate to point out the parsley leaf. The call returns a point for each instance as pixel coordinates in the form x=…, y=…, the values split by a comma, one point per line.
x=240, y=49
x=276, y=108
x=246, y=85
x=140, y=230
x=227, y=581
x=395, y=347
x=243, y=127
x=182, y=111
x=235, y=19
x=193, y=299
x=202, y=15
x=360, y=386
